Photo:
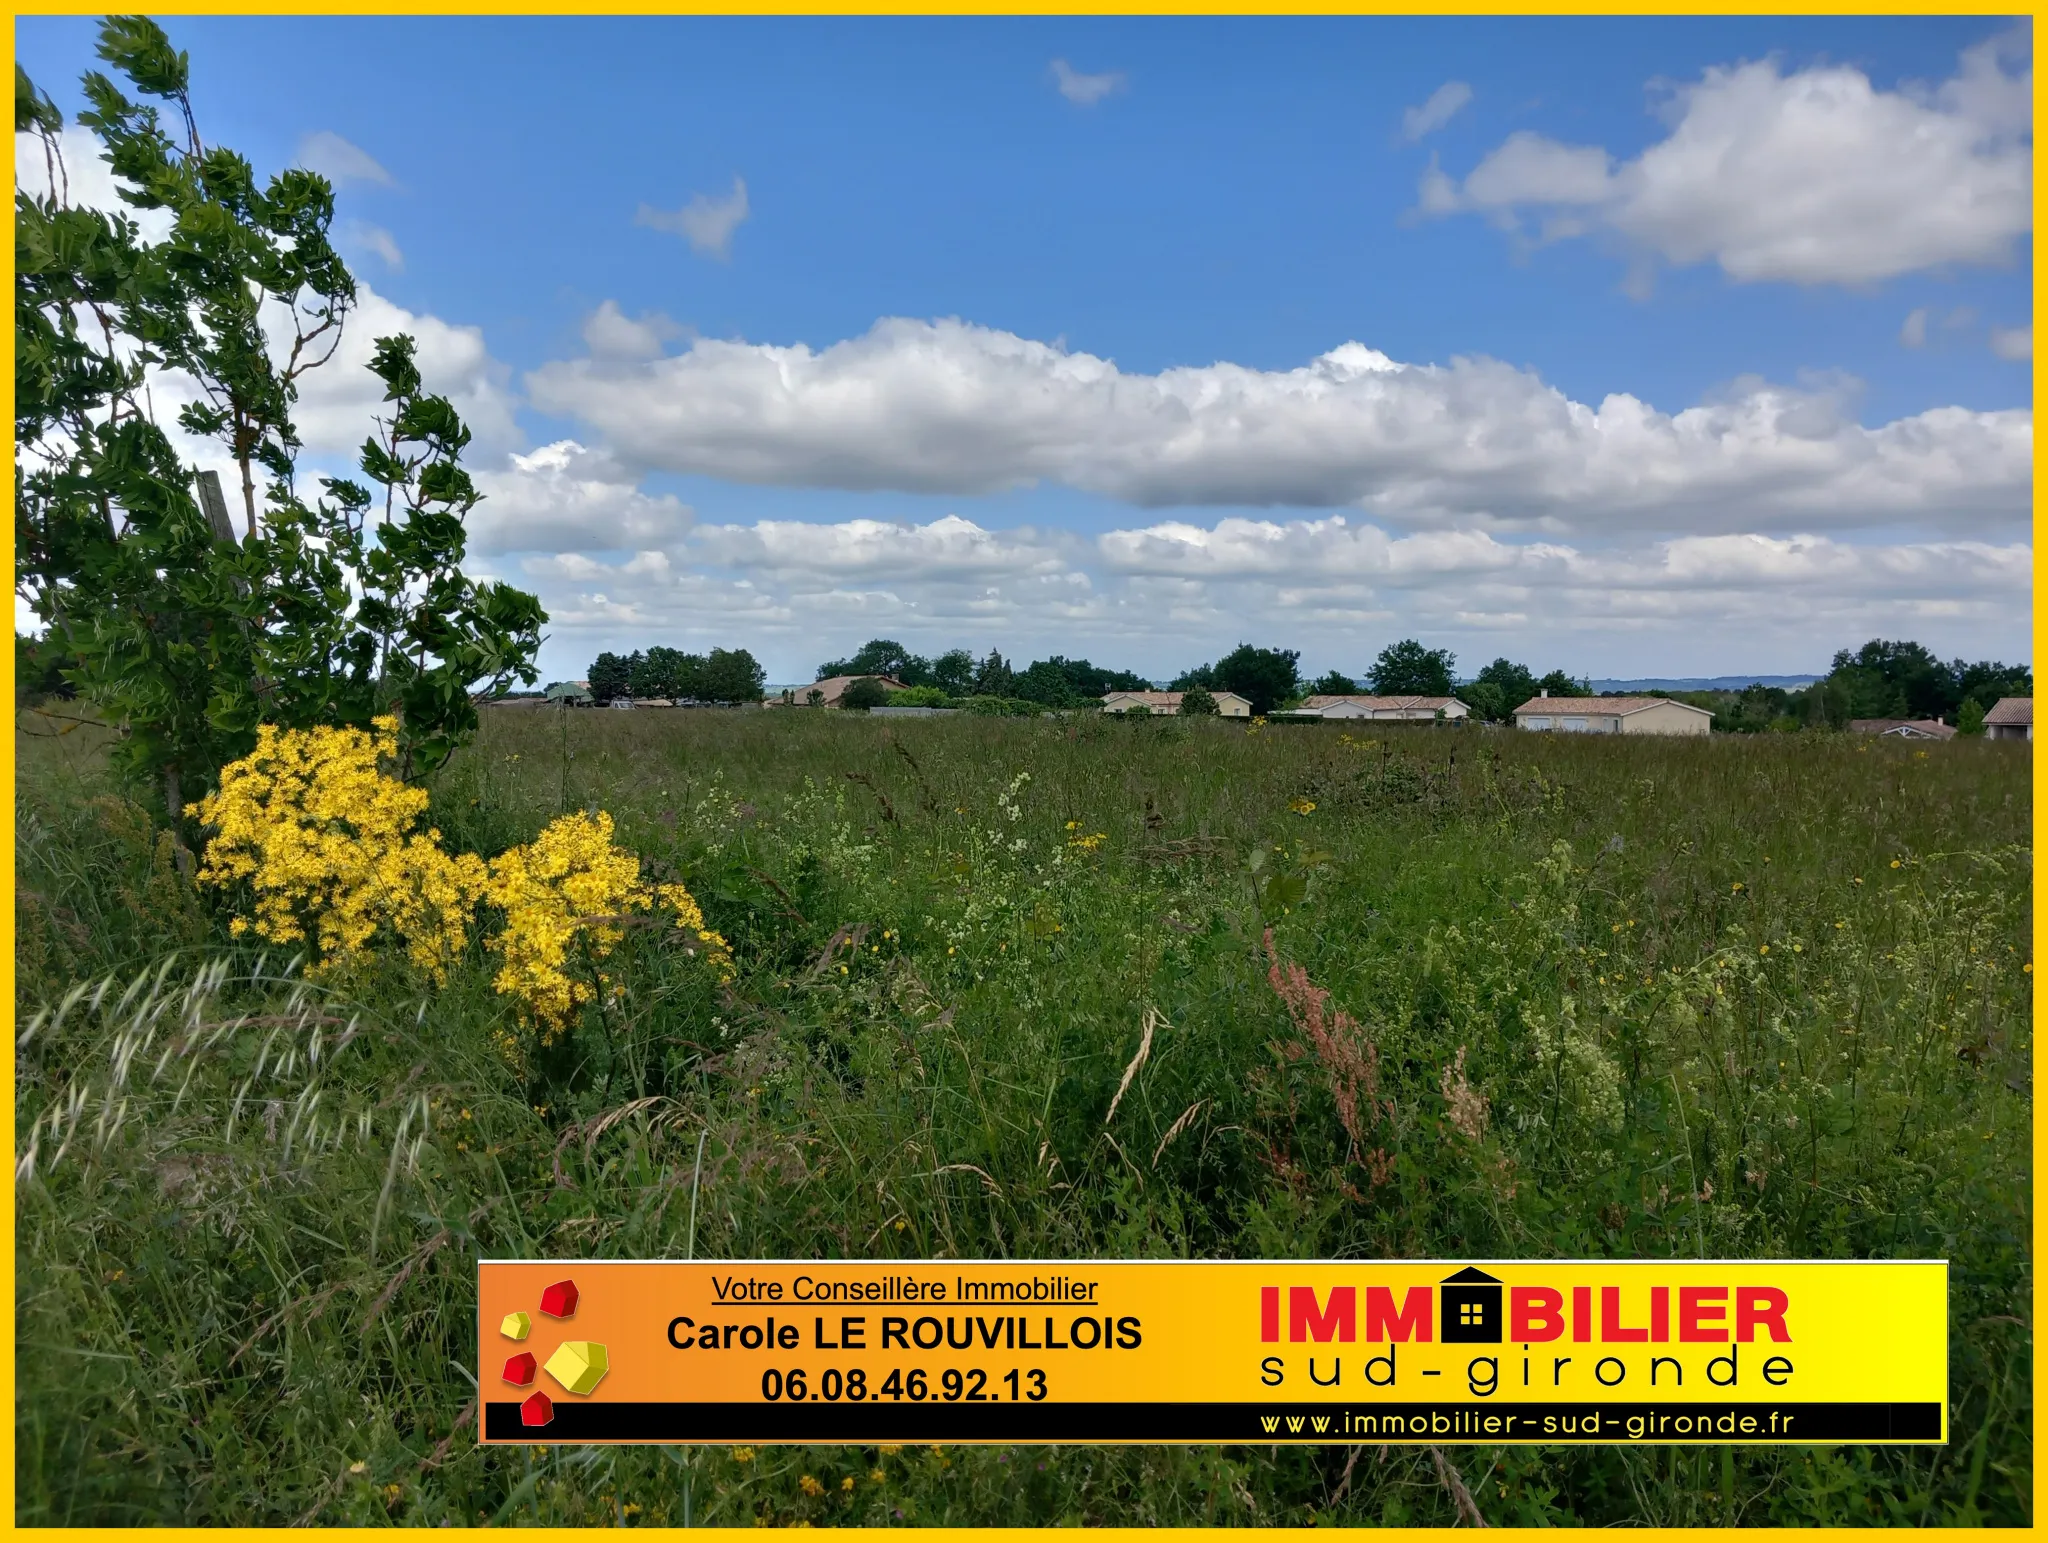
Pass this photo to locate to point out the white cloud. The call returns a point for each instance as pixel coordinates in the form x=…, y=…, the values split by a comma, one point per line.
x=705, y=222
x=1444, y=104
x=564, y=497
x=84, y=180
x=1160, y=597
x=946, y=407
x=1816, y=177
x=1914, y=333
x=609, y=333
x=1085, y=90
x=375, y=238
x=2013, y=342
x=334, y=158
x=338, y=400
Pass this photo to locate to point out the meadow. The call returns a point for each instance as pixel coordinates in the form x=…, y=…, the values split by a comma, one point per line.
x=1741, y=996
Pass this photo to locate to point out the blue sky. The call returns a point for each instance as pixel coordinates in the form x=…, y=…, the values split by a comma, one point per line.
x=1846, y=310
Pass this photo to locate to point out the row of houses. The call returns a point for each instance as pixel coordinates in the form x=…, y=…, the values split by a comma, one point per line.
x=1566, y=715
x=2011, y=718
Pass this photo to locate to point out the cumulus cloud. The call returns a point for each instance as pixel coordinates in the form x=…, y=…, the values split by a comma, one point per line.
x=375, y=238
x=947, y=407
x=334, y=158
x=1085, y=90
x=1158, y=596
x=1816, y=177
x=2013, y=342
x=705, y=222
x=1444, y=104
x=565, y=497
x=83, y=178
x=609, y=333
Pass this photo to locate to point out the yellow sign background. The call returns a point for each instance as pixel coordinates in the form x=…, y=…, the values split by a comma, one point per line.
x=1858, y=1332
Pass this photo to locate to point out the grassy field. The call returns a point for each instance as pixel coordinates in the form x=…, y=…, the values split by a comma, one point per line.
x=1756, y=996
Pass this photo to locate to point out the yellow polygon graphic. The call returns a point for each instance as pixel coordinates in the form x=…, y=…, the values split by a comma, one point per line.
x=516, y=1326
x=579, y=1365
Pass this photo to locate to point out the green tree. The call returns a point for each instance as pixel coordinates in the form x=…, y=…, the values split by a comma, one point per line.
x=1557, y=683
x=182, y=635
x=733, y=676
x=1334, y=683
x=863, y=694
x=1195, y=702
x=1407, y=668
x=1516, y=683
x=610, y=676
x=1971, y=719
x=992, y=677
x=1264, y=677
x=953, y=672
x=1486, y=700
x=881, y=656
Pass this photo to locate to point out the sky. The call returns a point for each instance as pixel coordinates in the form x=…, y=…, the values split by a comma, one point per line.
x=1636, y=347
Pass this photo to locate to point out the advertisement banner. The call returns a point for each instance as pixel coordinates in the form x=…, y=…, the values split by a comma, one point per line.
x=1214, y=1351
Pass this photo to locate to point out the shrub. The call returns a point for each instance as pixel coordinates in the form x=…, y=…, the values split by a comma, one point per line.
x=863, y=694
x=1196, y=702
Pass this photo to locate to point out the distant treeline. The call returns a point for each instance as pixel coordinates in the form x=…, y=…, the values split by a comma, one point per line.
x=727, y=675
x=1882, y=679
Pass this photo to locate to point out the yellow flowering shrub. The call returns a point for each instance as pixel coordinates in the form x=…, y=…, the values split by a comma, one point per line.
x=328, y=844
x=330, y=849
x=572, y=880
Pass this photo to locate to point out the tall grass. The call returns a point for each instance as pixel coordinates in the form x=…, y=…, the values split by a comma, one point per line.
x=1618, y=997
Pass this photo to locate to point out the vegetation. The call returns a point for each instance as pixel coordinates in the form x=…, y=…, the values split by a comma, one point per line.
x=1268, y=678
x=1630, y=997
x=726, y=675
x=148, y=605
x=1407, y=668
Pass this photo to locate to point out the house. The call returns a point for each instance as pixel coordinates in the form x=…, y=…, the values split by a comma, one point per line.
x=827, y=692
x=830, y=691
x=1903, y=728
x=1228, y=703
x=1420, y=709
x=1612, y=715
x=2012, y=718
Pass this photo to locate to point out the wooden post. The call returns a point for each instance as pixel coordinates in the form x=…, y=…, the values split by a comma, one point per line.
x=215, y=504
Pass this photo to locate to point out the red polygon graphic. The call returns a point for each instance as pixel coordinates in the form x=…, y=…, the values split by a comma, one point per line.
x=520, y=1369
x=537, y=1410
x=559, y=1300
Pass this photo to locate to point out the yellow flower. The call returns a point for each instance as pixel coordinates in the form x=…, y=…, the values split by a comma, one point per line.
x=573, y=882
x=1303, y=806
x=810, y=1486
x=847, y=1482
x=743, y=1454
x=328, y=847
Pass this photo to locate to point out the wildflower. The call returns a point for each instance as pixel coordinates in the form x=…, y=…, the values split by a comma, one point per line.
x=572, y=880
x=1073, y=825
x=1733, y=888
x=1303, y=806
x=743, y=1454
x=358, y=1466
x=878, y=1476
x=1765, y=949
x=329, y=846
x=810, y=1486
x=890, y=1451
x=1895, y=862
x=847, y=1483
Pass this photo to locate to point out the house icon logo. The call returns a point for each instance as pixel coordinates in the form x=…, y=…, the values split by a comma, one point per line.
x=1471, y=1308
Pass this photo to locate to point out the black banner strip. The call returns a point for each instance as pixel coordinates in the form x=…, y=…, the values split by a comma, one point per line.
x=1227, y=1424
